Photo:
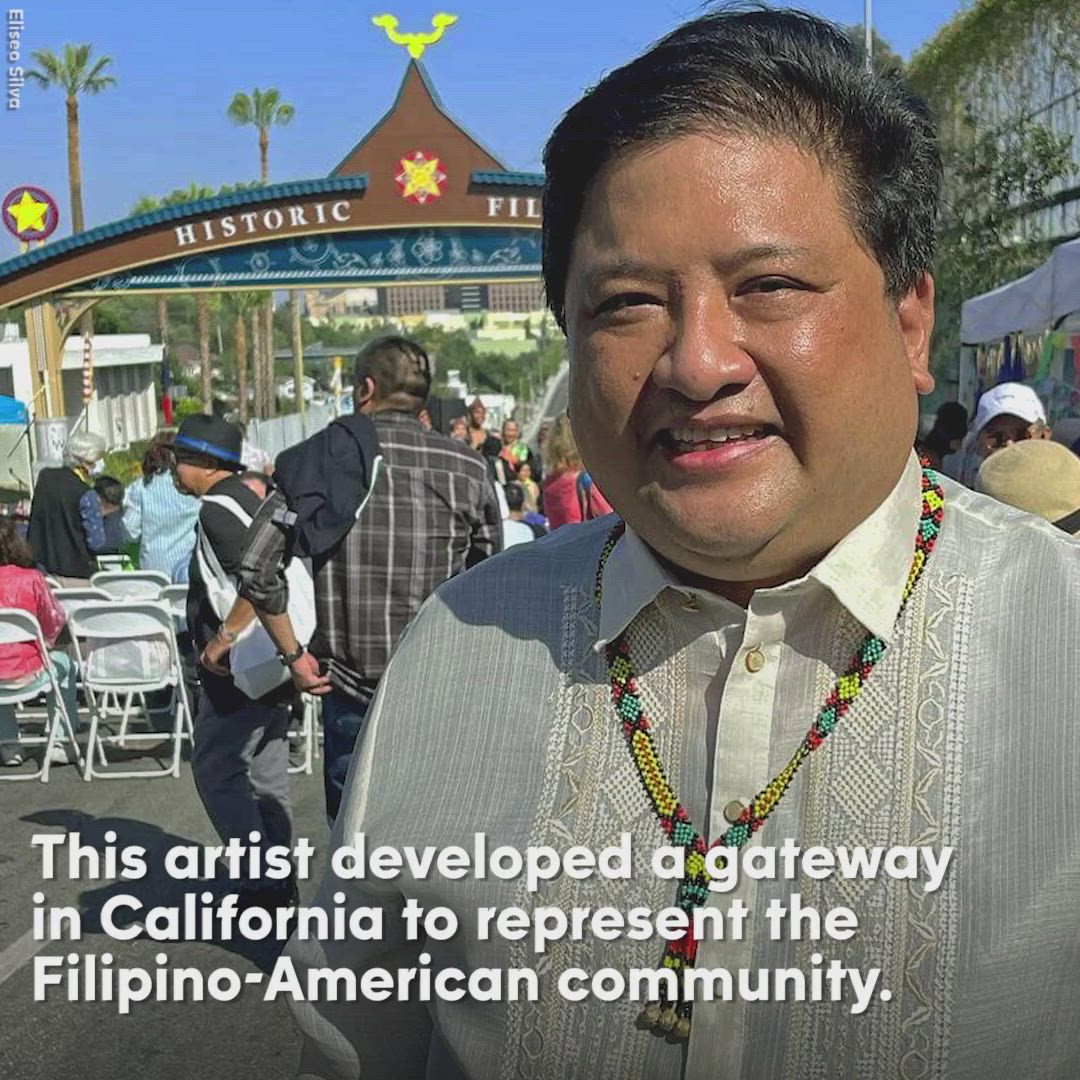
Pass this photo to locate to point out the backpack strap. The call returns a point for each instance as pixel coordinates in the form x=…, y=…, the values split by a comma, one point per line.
x=230, y=504
x=207, y=555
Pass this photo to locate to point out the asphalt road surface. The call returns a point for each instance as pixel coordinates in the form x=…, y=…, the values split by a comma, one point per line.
x=247, y=1039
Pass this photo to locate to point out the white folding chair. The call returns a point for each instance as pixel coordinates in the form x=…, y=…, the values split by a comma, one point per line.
x=130, y=585
x=128, y=649
x=174, y=597
x=305, y=737
x=69, y=599
x=52, y=582
x=18, y=626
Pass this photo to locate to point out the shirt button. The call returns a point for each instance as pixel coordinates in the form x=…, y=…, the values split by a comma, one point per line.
x=755, y=660
x=733, y=811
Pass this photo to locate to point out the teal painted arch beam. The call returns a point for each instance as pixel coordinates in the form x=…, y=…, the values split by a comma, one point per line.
x=181, y=212
x=395, y=256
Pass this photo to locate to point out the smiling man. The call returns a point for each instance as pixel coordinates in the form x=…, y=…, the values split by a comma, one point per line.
x=788, y=633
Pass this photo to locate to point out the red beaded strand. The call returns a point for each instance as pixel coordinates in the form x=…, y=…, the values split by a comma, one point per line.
x=693, y=891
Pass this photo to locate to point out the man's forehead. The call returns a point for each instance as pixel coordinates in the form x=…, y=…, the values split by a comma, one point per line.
x=745, y=198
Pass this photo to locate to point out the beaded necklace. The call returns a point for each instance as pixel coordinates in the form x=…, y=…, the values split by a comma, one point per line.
x=674, y=1016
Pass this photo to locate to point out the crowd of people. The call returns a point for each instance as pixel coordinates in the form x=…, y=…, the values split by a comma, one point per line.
x=1010, y=451
x=381, y=507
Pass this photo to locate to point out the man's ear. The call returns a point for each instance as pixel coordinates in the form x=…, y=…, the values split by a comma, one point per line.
x=916, y=314
x=365, y=391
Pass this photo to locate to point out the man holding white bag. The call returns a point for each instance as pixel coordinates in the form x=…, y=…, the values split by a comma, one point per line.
x=241, y=758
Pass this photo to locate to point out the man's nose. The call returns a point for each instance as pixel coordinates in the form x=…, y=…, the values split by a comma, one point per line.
x=706, y=356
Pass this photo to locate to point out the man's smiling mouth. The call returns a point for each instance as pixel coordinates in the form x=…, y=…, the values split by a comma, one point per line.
x=690, y=439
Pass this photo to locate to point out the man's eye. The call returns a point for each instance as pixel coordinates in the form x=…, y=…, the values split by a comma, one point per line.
x=769, y=285
x=622, y=301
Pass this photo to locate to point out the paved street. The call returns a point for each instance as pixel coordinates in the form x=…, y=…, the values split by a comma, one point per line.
x=54, y=1040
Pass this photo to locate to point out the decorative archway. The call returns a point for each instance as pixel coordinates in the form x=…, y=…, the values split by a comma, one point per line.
x=417, y=201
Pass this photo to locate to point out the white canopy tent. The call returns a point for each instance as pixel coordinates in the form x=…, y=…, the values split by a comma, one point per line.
x=1041, y=306
x=1033, y=303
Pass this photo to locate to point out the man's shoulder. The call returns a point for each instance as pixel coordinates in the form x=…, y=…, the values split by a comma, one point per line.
x=59, y=476
x=566, y=558
x=1000, y=547
x=213, y=514
x=407, y=445
x=524, y=605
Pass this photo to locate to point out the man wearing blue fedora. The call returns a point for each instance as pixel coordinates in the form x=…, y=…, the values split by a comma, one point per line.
x=240, y=760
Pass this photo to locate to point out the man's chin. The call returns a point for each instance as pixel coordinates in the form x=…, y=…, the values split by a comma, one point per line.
x=704, y=542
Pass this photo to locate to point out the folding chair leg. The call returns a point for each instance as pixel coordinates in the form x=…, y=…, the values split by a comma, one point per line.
x=93, y=746
x=56, y=722
x=178, y=731
x=189, y=715
x=128, y=698
x=70, y=726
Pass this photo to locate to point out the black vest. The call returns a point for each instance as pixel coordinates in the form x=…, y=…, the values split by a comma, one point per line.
x=56, y=531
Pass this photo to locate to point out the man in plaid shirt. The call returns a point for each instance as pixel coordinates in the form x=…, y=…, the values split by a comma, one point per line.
x=430, y=512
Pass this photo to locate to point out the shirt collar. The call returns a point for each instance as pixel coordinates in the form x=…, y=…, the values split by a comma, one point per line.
x=395, y=416
x=866, y=571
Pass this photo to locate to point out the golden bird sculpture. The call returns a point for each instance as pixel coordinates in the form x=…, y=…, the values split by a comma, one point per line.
x=416, y=43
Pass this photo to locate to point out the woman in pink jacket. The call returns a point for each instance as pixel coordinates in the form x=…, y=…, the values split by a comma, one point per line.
x=569, y=493
x=21, y=586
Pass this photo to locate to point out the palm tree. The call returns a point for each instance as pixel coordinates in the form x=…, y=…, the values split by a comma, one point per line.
x=147, y=204
x=204, y=305
x=241, y=303
x=258, y=354
x=202, y=308
x=192, y=193
x=75, y=73
x=298, y=352
x=263, y=109
x=269, y=375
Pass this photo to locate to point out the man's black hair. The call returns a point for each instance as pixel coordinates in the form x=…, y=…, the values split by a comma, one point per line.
x=400, y=370
x=772, y=73
x=515, y=496
x=109, y=490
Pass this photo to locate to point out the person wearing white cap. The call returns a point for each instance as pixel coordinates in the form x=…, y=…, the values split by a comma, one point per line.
x=1008, y=413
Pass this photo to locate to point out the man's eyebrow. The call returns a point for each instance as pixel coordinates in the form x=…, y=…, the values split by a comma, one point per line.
x=728, y=263
x=736, y=260
x=622, y=268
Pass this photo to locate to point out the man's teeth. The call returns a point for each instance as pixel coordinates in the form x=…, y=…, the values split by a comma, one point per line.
x=699, y=436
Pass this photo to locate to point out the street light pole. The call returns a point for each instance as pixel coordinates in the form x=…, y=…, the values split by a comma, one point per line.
x=868, y=30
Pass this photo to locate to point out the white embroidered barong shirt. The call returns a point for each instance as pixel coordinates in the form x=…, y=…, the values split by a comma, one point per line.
x=495, y=716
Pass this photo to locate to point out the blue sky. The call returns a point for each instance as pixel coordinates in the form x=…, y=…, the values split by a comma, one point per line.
x=506, y=71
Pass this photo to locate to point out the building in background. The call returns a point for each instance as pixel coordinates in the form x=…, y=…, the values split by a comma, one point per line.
x=999, y=67
x=123, y=409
